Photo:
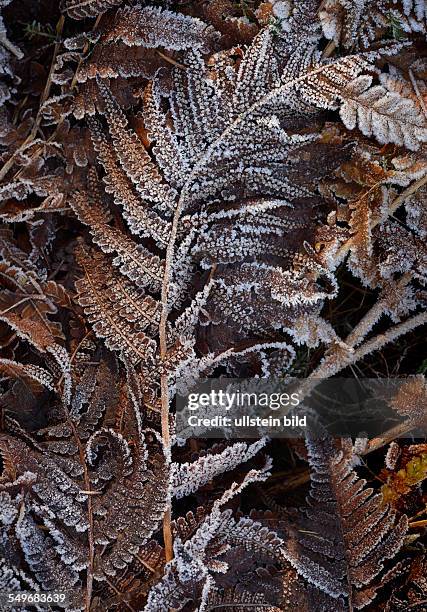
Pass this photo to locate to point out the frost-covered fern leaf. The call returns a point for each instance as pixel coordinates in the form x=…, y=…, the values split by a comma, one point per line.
x=142, y=218
x=155, y=27
x=127, y=318
x=12, y=579
x=133, y=505
x=411, y=399
x=384, y=111
x=190, y=573
x=211, y=145
x=14, y=369
x=227, y=160
x=118, y=310
x=30, y=322
x=49, y=492
x=47, y=481
x=133, y=260
x=189, y=477
x=346, y=533
x=416, y=213
x=95, y=396
x=80, y=9
x=239, y=601
x=361, y=22
x=124, y=45
x=209, y=128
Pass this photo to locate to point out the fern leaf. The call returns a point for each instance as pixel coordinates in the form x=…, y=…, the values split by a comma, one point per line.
x=170, y=155
x=134, y=261
x=253, y=536
x=42, y=558
x=188, y=477
x=29, y=317
x=239, y=601
x=255, y=69
x=205, y=143
x=118, y=311
x=190, y=565
x=363, y=22
x=9, y=368
x=131, y=483
x=141, y=218
x=383, y=112
x=133, y=156
x=156, y=27
x=358, y=532
x=94, y=396
x=410, y=399
x=133, y=506
x=53, y=486
x=80, y=9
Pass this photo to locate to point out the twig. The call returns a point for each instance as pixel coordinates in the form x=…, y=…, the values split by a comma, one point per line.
x=332, y=364
x=167, y=533
x=46, y=91
x=164, y=382
x=10, y=46
x=329, y=49
x=171, y=60
x=371, y=317
x=25, y=299
x=389, y=336
x=417, y=524
x=398, y=431
x=412, y=188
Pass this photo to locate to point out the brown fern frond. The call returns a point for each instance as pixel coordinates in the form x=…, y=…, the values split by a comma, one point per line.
x=133, y=260
x=119, y=312
x=358, y=532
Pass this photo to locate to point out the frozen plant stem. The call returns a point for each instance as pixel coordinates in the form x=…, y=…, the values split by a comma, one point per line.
x=335, y=362
x=201, y=163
